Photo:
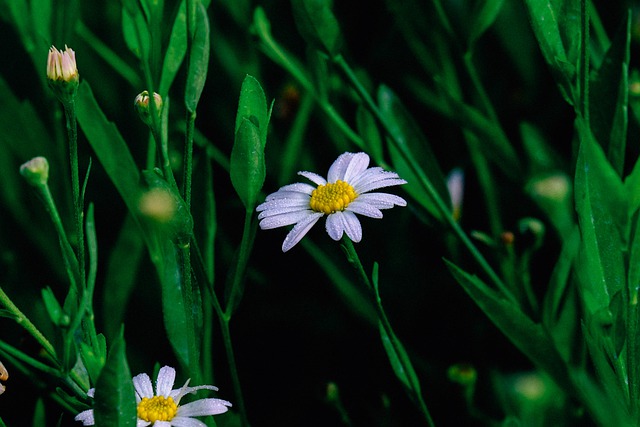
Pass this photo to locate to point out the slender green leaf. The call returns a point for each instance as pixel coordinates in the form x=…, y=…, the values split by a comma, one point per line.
x=41, y=11
x=134, y=29
x=110, y=148
x=546, y=22
x=317, y=24
x=115, y=400
x=527, y=336
x=176, y=51
x=609, y=98
x=602, y=215
x=39, y=418
x=406, y=130
x=198, y=60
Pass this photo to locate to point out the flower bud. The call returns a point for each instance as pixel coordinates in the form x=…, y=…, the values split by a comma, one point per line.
x=142, y=106
x=158, y=204
x=4, y=375
x=62, y=73
x=455, y=185
x=36, y=171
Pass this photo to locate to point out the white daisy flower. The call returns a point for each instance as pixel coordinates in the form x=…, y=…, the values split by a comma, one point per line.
x=343, y=194
x=163, y=408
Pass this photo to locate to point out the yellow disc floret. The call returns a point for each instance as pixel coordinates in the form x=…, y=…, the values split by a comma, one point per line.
x=158, y=408
x=332, y=197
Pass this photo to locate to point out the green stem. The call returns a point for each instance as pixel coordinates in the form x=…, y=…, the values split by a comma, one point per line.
x=426, y=183
x=583, y=71
x=78, y=211
x=24, y=321
x=354, y=260
x=231, y=359
x=188, y=158
x=69, y=257
x=243, y=258
x=209, y=265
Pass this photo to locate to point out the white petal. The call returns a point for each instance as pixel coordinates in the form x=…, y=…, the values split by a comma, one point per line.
x=283, y=211
x=91, y=392
x=381, y=200
x=285, y=219
x=184, y=390
x=86, y=417
x=313, y=177
x=381, y=183
x=298, y=187
x=339, y=167
x=290, y=194
x=365, y=176
x=300, y=229
x=359, y=163
x=186, y=422
x=352, y=226
x=202, y=407
x=142, y=423
x=282, y=205
x=162, y=424
x=143, y=386
x=334, y=226
x=344, y=222
x=165, y=380
x=365, y=209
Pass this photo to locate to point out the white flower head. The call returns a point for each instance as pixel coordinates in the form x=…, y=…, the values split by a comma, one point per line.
x=162, y=408
x=344, y=193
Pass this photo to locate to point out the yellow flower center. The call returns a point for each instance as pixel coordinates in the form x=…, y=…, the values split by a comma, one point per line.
x=158, y=408
x=332, y=197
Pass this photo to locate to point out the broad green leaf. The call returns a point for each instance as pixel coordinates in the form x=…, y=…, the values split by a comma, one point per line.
x=608, y=92
x=317, y=24
x=176, y=51
x=602, y=215
x=252, y=105
x=94, y=357
x=115, y=399
x=247, y=170
x=413, y=142
x=198, y=60
x=527, y=336
x=483, y=17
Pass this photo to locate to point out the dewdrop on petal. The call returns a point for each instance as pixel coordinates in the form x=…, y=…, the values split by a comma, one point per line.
x=36, y=171
x=144, y=110
x=62, y=73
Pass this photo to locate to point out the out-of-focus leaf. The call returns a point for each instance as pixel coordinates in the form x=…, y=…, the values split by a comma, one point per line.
x=198, y=60
x=94, y=357
x=482, y=18
x=41, y=19
x=121, y=275
x=608, y=92
x=527, y=336
x=368, y=130
x=39, y=418
x=317, y=24
x=602, y=215
x=115, y=399
x=413, y=141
